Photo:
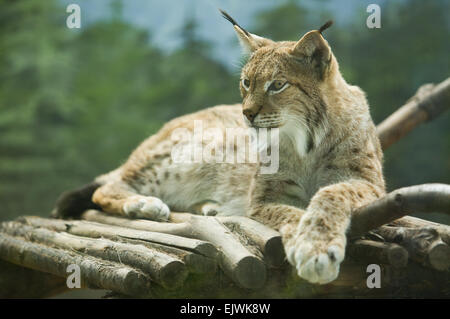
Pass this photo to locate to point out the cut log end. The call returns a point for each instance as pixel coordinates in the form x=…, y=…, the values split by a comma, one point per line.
x=274, y=252
x=397, y=256
x=173, y=274
x=135, y=283
x=250, y=273
x=206, y=249
x=439, y=256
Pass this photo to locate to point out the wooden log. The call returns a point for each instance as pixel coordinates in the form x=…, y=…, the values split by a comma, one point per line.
x=196, y=263
x=239, y=261
x=93, y=271
x=242, y=265
x=426, y=198
x=424, y=244
x=414, y=222
x=235, y=259
x=96, y=230
x=266, y=239
x=420, y=198
x=181, y=228
x=164, y=269
x=429, y=102
x=403, y=201
x=379, y=252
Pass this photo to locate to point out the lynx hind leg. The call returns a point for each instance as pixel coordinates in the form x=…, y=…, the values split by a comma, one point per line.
x=120, y=198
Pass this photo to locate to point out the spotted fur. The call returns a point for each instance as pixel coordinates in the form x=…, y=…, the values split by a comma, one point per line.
x=330, y=157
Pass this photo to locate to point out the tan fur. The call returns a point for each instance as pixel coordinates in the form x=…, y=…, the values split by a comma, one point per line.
x=330, y=157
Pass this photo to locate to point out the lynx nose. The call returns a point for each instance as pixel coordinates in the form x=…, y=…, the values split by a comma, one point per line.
x=250, y=114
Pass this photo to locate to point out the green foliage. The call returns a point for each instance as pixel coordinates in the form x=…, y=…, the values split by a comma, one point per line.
x=285, y=22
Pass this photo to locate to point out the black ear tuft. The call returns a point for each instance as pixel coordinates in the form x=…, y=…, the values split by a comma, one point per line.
x=325, y=26
x=233, y=22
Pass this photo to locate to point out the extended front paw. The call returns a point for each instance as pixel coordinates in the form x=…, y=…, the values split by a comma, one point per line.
x=146, y=207
x=315, y=255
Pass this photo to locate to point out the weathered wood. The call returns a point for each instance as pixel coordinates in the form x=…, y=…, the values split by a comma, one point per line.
x=413, y=281
x=426, y=198
x=114, y=276
x=196, y=263
x=181, y=228
x=424, y=244
x=265, y=238
x=414, y=222
x=268, y=240
x=243, y=265
x=379, y=252
x=240, y=262
x=429, y=101
x=96, y=230
x=164, y=269
x=253, y=238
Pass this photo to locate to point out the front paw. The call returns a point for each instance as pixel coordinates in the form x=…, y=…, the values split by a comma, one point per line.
x=315, y=254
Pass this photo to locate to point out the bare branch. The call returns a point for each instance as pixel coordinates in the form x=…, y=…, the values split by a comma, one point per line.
x=426, y=198
x=429, y=102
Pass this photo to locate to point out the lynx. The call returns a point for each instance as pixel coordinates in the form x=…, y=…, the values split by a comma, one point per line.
x=330, y=159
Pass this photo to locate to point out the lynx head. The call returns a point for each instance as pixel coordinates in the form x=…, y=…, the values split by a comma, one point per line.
x=281, y=83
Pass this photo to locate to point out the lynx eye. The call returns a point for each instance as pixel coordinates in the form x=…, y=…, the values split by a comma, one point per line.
x=276, y=86
x=246, y=84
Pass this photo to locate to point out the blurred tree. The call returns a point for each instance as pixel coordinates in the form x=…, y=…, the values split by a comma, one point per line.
x=410, y=49
x=74, y=104
x=288, y=21
x=199, y=80
x=35, y=75
x=116, y=67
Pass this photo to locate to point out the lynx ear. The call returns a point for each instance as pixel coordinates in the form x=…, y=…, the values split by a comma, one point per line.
x=249, y=42
x=314, y=48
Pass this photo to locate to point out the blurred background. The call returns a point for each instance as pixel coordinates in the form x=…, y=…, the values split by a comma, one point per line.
x=75, y=102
